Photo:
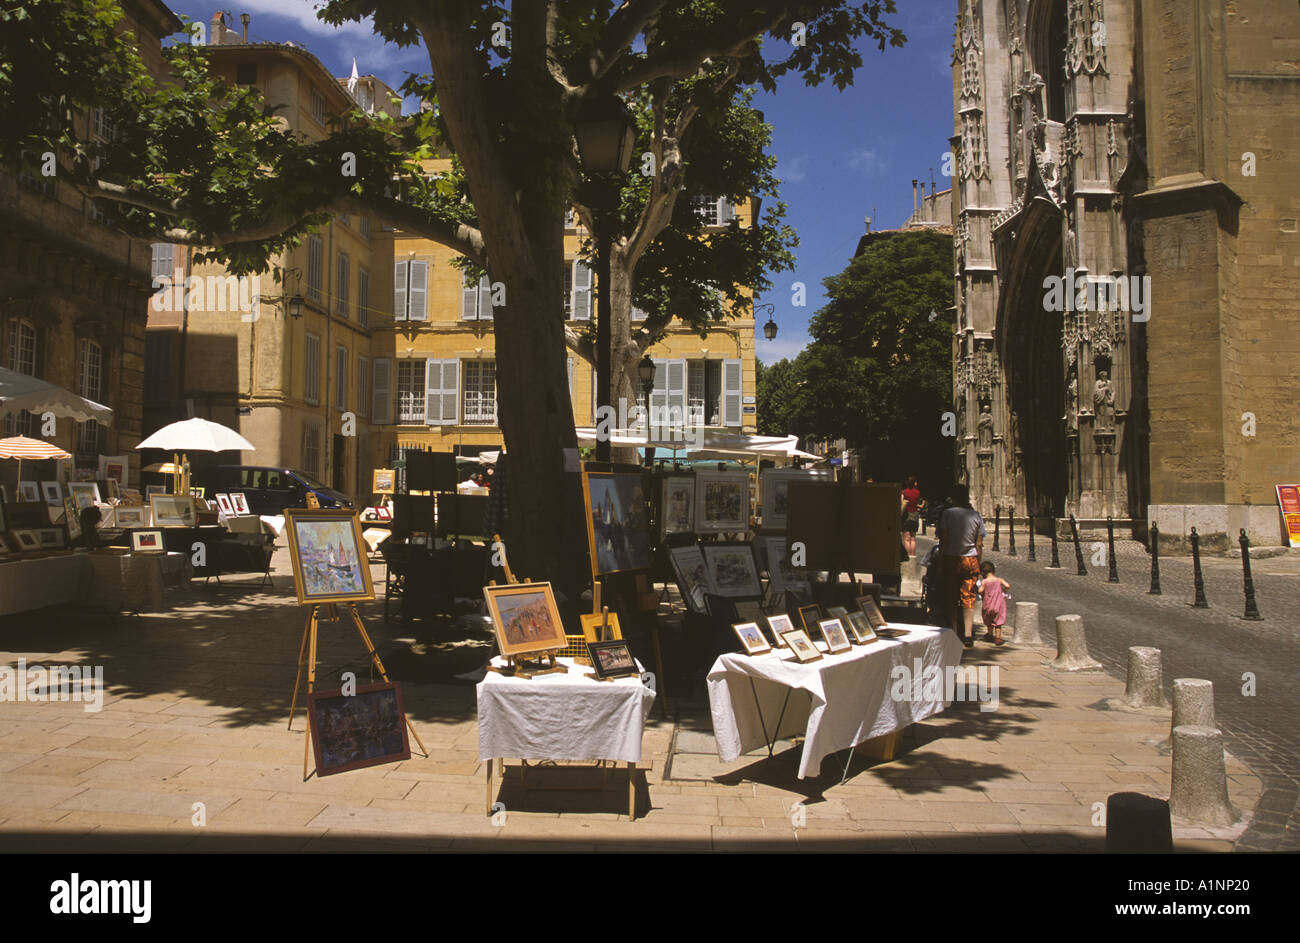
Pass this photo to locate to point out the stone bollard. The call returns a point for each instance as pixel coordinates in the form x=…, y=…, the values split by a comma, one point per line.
x=1198, y=791
x=1027, y=624
x=1193, y=707
x=1072, y=646
x=1145, y=687
x=1138, y=824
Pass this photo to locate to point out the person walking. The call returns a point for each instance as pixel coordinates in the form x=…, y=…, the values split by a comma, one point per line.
x=993, y=590
x=911, y=499
x=961, y=534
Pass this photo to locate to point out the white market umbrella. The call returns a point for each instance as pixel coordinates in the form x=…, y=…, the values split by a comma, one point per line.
x=18, y=391
x=197, y=435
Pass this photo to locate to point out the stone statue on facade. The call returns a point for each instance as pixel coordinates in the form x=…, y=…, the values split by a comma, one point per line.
x=1072, y=402
x=985, y=429
x=1103, y=402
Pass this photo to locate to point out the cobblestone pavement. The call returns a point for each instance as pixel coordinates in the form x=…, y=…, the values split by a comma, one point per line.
x=1261, y=728
x=193, y=725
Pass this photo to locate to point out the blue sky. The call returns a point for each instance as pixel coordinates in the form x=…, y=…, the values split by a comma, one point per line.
x=840, y=154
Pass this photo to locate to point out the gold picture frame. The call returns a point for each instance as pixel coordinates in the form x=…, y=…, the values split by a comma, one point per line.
x=837, y=640
x=859, y=628
x=592, y=623
x=383, y=480
x=172, y=510
x=751, y=636
x=329, y=556
x=801, y=646
x=778, y=624
x=525, y=619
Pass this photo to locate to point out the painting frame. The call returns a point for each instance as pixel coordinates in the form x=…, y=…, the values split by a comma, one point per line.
x=622, y=496
x=114, y=468
x=602, y=669
x=147, y=540
x=383, y=480
x=52, y=491
x=714, y=510
x=836, y=638
x=226, y=506
x=52, y=538
x=742, y=567
x=860, y=629
x=754, y=641
x=85, y=493
x=363, y=587
x=239, y=501
x=813, y=610
x=800, y=645
x=127, y=516
x=688, y=562
x=778, y=573
x=774, y=485
x=778, y=623
x=29, y=491
x=173, y=510
x=395, y=744
x=551, y=640
x=677, y=506
x=25, y=540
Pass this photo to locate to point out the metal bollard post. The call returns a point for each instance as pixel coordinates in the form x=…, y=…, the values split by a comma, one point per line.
x=1056, y=557
x=1011, y=531
x=997, y=526
x=1252, y=610
x=1155, y=561
x=1078, y=551
x=1110, y=540
x=1200, y=602
x=1033, y=557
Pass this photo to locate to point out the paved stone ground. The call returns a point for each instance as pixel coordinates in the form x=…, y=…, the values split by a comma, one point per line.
x=1261, y=728
x=196, y=713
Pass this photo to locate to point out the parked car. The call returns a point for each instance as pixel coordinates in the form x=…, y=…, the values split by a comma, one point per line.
x=271, y=489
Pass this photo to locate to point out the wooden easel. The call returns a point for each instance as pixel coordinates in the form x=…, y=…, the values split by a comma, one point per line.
x=517, y=667
x=307, y=653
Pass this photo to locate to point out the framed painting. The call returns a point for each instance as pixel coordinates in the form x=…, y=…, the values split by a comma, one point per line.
x=197, y=492
x=383, y=480
x=618, y=528
x=837, y=640
x=876, y=619
x=810, y=615
x=113, y=488
x=692, y=576
x=779, y=624
x=26, y=540
x=71, y=518
x=677, y=508
x=782, y=576
x=172, y=510
x=801, y=645
x=154, y=489
x=365, y=728
x=131, y=517
x=524, y=618
x=225, y=505
x=601, y=626
x=85, y=493
x=29, y=491
x=775, y=485
x=51, y=538
x=240, y=503
x=612, y=659
x=721, y=502
x=147, y=541
x=53, y=492
x=751, y=636
x=328, y=555
x=732, y=570
x=113, y=468
x=859, y=628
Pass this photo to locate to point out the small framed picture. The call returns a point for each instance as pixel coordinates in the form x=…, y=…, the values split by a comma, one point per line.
x=779, y=624
x=29, y=491
x=525, y=618
x=810, y=615
x=53, y=492
x=172, y=510
x=197, y=492
x=240, y=503
x=71, y=518
x=732, y=572
x=751, y=636
x=612, y=659
x=51, y=538
x=837, y=640
x=877, y=619
x=113, y=488
x=85, y=493
x=383, y=480
x=226, y=505
x=146, y=541
x=836, y=612
x=154, y=489
x=362, y=728
x=801, y=645
x=859, y=628
x=131, y=517
x=601, y=627
x=26, y=540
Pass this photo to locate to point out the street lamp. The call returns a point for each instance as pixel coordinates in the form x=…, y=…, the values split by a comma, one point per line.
x=769, y=329
x=606, y=135
x=645, y=371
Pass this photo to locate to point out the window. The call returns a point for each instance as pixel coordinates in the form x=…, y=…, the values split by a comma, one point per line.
x=311, y=385
x=315, y=268
x=364, y=225
x=163, y=260
x=476, y=299
x=318, y=106
x=310, y=449
x=442, y=401
x=712, y=210
x=480, y=392
x=340, y=377
x=363, y=296
x=90, y=384
x=363, y=386
x=410, y=282
x=703, y=393
x=21, y=357
x=101, y=126
x=697, y=392
x=410, y=391
x=341, y=289
x=577, y=291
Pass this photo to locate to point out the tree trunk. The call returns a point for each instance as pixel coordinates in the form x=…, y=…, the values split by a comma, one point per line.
x=625, y=353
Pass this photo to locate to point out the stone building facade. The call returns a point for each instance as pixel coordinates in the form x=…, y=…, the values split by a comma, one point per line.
x=1126, y=261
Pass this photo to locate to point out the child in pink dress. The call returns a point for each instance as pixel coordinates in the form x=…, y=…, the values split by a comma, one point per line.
x=993, y=589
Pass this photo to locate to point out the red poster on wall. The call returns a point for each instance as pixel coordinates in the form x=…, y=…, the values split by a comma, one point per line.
x=1288, y=499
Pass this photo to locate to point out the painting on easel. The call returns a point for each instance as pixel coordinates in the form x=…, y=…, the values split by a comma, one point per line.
x=328, y=555
x=351, y=731
x=525, y=618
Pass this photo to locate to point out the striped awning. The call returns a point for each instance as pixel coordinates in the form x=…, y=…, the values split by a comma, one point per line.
x=21, y=447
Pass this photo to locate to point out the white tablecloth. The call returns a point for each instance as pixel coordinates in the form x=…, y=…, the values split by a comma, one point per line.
x=850, y=695
x=42, y=581
x=562, y=716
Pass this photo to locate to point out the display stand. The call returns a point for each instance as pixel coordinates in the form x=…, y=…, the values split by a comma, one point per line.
x=517, y=667
x=308, y=653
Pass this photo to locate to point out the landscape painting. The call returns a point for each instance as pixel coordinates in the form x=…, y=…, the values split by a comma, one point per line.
x=328, y=556
x=692, y=576
x=524, y=618
x=619, y=528
x=367, y=728
x=722, y=502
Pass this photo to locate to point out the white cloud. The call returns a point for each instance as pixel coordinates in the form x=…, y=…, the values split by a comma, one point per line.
x=794, y=170
x=302, y=13
x=867, y=162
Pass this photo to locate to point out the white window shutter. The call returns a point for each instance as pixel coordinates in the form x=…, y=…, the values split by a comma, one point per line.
x=726, y=212
x=732, y=379
x=382, y=377
x=468, y=300
x=581, y=291
x=570, y=378
x=677, y=390
x=399, y=291
x=450, y=392
x=659, y=394
x=485, y=298
x=638, y=314
x=418, y=289
x=433, y=391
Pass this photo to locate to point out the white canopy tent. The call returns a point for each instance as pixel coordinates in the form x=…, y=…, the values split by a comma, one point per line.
x=18, y=391
x=712, y=443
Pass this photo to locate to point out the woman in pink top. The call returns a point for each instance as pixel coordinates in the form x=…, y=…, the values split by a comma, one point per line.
x=993, y=590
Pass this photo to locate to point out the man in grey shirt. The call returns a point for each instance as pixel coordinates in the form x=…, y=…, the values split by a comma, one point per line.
x=961, y=534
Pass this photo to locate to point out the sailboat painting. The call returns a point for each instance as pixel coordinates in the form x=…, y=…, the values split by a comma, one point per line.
x=329, y=556
x=619, y=531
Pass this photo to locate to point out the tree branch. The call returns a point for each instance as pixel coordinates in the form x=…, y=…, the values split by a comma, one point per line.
x=622, y=29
